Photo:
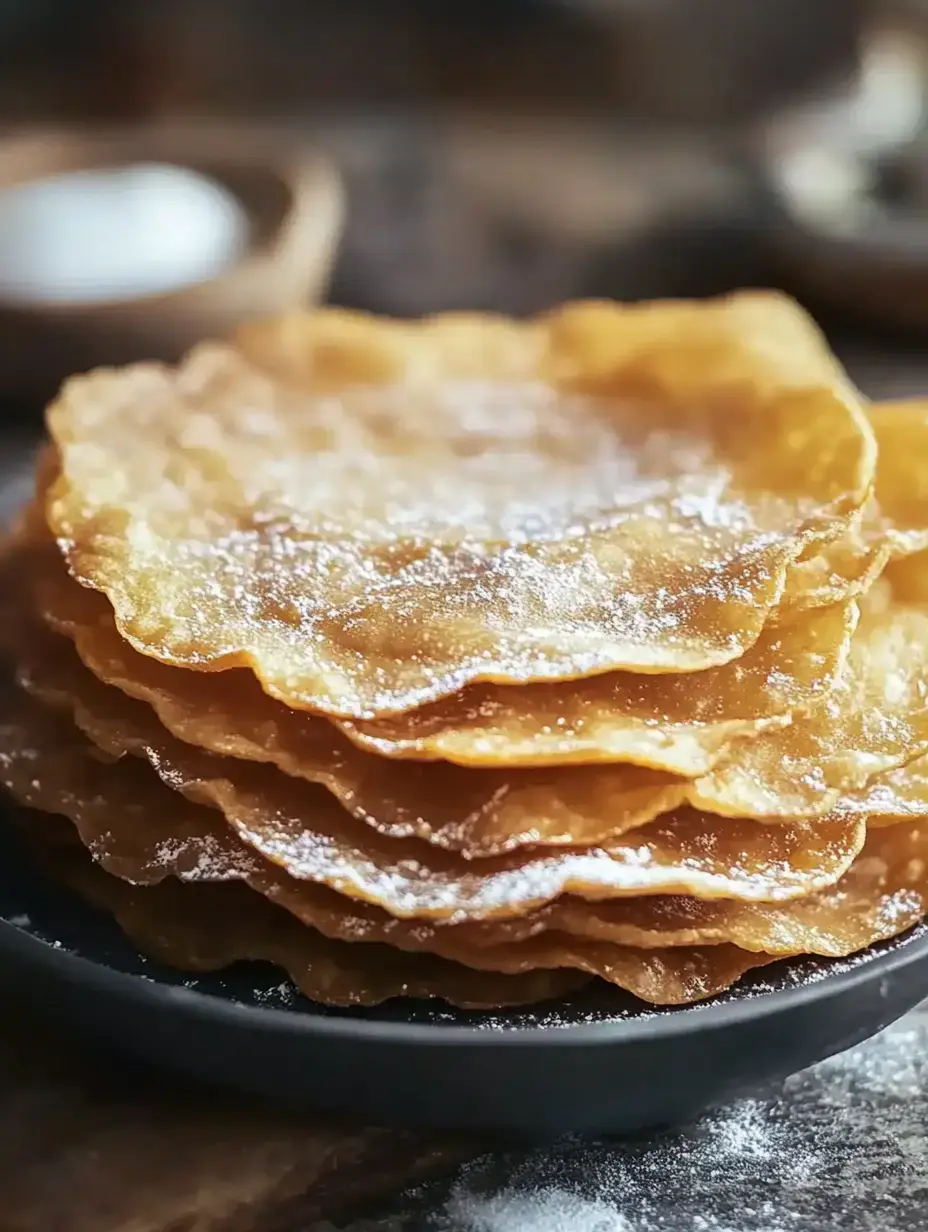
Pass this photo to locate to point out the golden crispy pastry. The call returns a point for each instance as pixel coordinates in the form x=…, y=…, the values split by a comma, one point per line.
x=680, y=724
x=844, y=569
x=810, y=768
x=901, y=484
x=477, y=812
x=299, y=827
x=485, y=549
x=879, y=896
x=571, y=722
x=875, y=720
x=418, y=507
x=208, y=927
x=661, y=722
x=167, y=924
x=899, y=796
x=892, y=524
x=902, y=488
x=883, y=893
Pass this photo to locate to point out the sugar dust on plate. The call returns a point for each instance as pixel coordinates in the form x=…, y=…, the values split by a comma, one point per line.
x=116, y=234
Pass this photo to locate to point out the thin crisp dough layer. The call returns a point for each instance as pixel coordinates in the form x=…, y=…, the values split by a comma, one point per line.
x=419, y=507
x=672, y=725
x=881, y=895
x=474, y=811
x=892, y=525
x=328, y=969
x=901, y=796
x=206, y=928
x=125, y=827
x=680, y=724
x=900, y=484
x=210, y=927
x=875, y=720
x=492, y=725
x=677, y=724
x=301, y=829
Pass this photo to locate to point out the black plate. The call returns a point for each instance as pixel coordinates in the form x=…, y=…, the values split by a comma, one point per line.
x=599, y=1061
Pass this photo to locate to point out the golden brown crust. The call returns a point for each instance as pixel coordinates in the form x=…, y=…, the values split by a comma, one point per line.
x=606, y=488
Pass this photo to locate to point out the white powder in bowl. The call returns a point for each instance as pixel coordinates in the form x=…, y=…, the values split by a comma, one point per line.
x=119, y=233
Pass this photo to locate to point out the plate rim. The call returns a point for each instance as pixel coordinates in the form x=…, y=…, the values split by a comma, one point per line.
x=64, y=963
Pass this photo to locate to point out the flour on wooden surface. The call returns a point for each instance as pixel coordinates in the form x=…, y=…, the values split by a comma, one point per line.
x=842, y=1146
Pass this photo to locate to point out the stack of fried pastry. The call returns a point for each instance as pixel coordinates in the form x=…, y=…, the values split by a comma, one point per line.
x=479, y=659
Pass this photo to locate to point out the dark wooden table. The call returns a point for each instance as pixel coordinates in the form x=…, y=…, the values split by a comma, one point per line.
x=93, y=1143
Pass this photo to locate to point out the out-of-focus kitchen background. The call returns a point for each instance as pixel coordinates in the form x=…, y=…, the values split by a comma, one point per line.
x=508, y=154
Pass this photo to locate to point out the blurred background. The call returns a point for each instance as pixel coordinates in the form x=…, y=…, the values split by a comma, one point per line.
x=492, y=154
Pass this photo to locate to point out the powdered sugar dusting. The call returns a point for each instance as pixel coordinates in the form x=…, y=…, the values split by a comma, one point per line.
x=372, y=544
x=842, y=1146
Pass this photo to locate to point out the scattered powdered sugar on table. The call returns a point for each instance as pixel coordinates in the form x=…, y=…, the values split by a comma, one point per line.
x=843, y=1146
x=535, y=1210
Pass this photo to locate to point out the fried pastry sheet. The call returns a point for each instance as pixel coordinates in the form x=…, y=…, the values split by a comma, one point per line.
x=673, y=725
x=900, y=796
x=301, y=829
x=371, y=516
x=206, y=928
x=893, y=523
x=209, y=927
x=900, y=483
x=493, y=724
x=137, y=833
x=883, y=893
x=680, y=724
x=478, y=812
x=844, y=569
x=875, y=720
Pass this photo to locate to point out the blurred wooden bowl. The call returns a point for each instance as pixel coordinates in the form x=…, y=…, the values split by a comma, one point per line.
x=848, y=181
x=293, y=202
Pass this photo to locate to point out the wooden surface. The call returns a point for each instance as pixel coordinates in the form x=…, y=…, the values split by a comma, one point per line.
x=91, y=1144
x=96, y=1145
x=842, y=1147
